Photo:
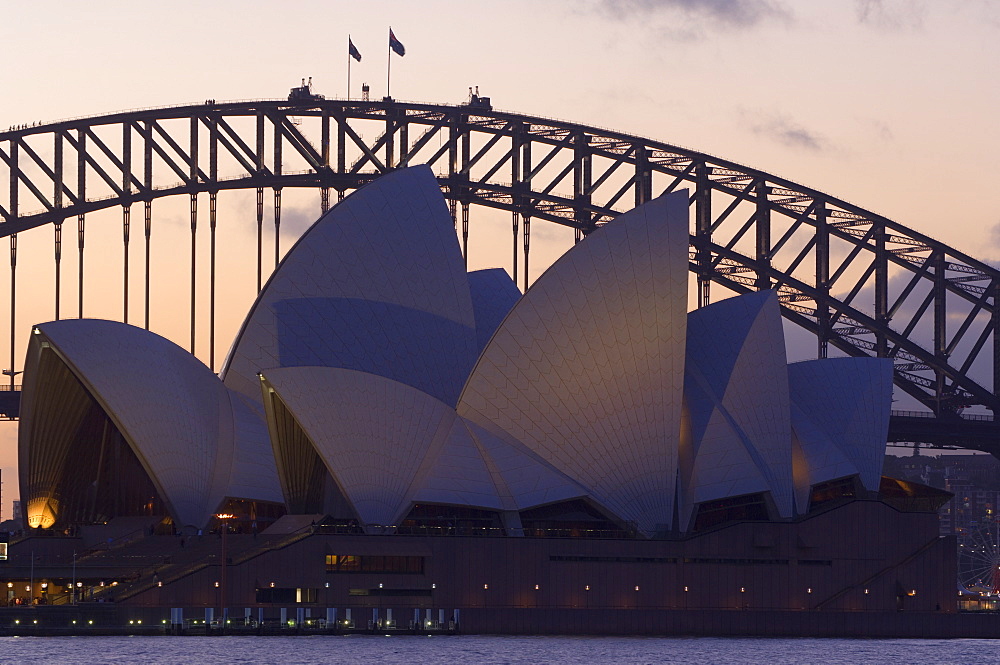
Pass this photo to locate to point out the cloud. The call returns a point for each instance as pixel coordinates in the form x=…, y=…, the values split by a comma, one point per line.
x=994, y=236
x=696, y=15
x=297, y=218
x=989, y=12
x=882, y=130
x=786, y=131
x=890, y=14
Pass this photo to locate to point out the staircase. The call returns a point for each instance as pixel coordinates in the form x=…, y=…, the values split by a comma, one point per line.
x=202, y=552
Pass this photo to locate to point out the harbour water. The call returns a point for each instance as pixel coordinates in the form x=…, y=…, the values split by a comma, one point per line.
x=487, y=650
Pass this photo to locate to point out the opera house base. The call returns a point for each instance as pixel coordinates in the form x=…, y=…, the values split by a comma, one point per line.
x=862, y=568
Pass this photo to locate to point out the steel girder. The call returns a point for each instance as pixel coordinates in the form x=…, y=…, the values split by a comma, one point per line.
x=858, y=281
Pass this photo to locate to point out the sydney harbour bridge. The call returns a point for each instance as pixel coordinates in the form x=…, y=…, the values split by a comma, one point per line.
x=858, y=282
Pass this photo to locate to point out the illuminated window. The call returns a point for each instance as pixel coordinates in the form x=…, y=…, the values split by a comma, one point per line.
x=286, y=595
x=349, y=563
x=738, y=508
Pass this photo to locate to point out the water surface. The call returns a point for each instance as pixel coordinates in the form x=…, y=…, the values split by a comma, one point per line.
x=475, y=650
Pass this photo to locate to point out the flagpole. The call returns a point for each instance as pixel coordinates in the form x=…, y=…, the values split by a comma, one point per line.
x=388, y=69
x=348, y=66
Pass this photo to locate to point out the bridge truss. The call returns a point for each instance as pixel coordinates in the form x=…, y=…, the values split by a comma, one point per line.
x=859, y=282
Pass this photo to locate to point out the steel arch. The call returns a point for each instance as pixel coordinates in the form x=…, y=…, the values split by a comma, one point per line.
x=863, y=283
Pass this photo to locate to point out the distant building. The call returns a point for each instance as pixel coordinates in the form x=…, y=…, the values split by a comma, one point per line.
x=975, y=482
x=969, y=508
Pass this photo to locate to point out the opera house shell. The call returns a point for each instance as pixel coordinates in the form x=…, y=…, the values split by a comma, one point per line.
x=378, y=383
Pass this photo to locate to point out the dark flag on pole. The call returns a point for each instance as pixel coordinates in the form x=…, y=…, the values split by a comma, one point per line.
x=352, y=50
x=395, y=44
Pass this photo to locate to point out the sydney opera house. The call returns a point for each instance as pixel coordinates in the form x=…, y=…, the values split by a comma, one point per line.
x=391, y=433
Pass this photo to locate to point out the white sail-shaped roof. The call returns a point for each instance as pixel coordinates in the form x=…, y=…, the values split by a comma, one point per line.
x=521, y=475
x=388, y=445
x=174, y=413
x=251, y=474
x=736, y=391
x=371, y=432
x=457, y=474
x=377, y=285
x=493, y=295
x=587, y=368
x=840, y=415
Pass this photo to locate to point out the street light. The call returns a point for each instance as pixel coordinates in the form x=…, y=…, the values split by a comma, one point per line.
x=11, y=373
x=224, y=518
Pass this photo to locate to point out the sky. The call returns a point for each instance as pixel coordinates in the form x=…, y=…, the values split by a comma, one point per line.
x=888, y=104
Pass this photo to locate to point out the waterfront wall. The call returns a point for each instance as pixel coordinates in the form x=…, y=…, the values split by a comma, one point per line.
x=760, y=623
x=126, y=620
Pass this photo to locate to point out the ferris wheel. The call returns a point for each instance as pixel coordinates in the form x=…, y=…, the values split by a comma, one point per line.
x=979, y=559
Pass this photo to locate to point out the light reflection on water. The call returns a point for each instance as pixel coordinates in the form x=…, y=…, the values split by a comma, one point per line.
x=486, y=650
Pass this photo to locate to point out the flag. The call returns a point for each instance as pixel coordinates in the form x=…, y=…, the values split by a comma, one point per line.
x=395, y=44
x=352, y=50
